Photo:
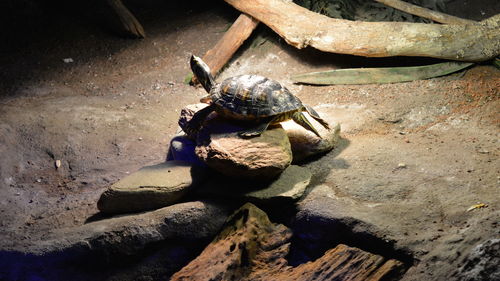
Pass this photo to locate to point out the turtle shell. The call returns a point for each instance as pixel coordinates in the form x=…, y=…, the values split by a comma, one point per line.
x=249, y=97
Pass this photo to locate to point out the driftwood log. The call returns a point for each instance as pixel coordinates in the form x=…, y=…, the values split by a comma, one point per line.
x=302, y=28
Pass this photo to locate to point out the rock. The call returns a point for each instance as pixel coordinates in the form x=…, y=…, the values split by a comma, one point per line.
x=321, y=212
x=258, y=158
x=250, y=247
x=150, y=188
x=107, y=246
x=482, y=263
x=305, y=144
x=182, y=149
x=289, y=186
x=220, y=147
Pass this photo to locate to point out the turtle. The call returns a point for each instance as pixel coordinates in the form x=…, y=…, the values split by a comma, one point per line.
x=254, y=98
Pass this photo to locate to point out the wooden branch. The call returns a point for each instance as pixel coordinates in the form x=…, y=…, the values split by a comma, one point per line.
x=129, y=23
x=301, y=28
x=424, y=12
x=234, y=37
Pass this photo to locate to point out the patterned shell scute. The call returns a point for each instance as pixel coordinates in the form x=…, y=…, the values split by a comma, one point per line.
x=254, y=96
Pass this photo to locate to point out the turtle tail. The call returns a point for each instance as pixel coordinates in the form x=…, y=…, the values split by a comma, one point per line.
x=202, y=72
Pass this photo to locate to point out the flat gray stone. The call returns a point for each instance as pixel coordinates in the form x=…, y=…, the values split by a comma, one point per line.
x=290, y=185
x=151, y=187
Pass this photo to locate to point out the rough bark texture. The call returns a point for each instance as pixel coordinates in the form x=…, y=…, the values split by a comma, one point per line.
x=301, y=28
x=250, y=247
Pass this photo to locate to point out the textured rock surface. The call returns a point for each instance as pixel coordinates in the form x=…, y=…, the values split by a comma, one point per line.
x=116, y=241
x=482, y=263
x=150, y=188
x=182, y=149
x=306, y=144
x=290, y=186
x=324, y=219
x=250, y=247
x=261, y=157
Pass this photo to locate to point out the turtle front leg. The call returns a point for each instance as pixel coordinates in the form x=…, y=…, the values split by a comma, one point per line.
x=301, y=119
x=315, y=115
x=192, y=127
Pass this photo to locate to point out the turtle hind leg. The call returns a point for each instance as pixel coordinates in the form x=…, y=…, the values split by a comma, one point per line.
x=300, y=119
x=316, y=117
x=255, y=131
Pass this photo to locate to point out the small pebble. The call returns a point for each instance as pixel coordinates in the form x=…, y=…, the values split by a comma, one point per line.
x=401, y=165
x=57, y=163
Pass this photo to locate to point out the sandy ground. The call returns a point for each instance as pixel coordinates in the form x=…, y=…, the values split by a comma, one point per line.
x=422, y=152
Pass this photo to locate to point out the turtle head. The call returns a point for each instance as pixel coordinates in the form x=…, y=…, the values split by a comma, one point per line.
x=202, y=72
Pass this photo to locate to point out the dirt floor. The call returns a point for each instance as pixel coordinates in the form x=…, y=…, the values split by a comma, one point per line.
x=427, y=145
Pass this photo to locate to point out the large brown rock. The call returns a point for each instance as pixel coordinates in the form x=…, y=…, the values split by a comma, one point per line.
x=260, y=158
x=250, y=247
x=151, y=187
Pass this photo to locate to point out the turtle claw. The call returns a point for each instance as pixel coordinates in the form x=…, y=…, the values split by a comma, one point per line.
x=253, y=132
x=248, y=134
